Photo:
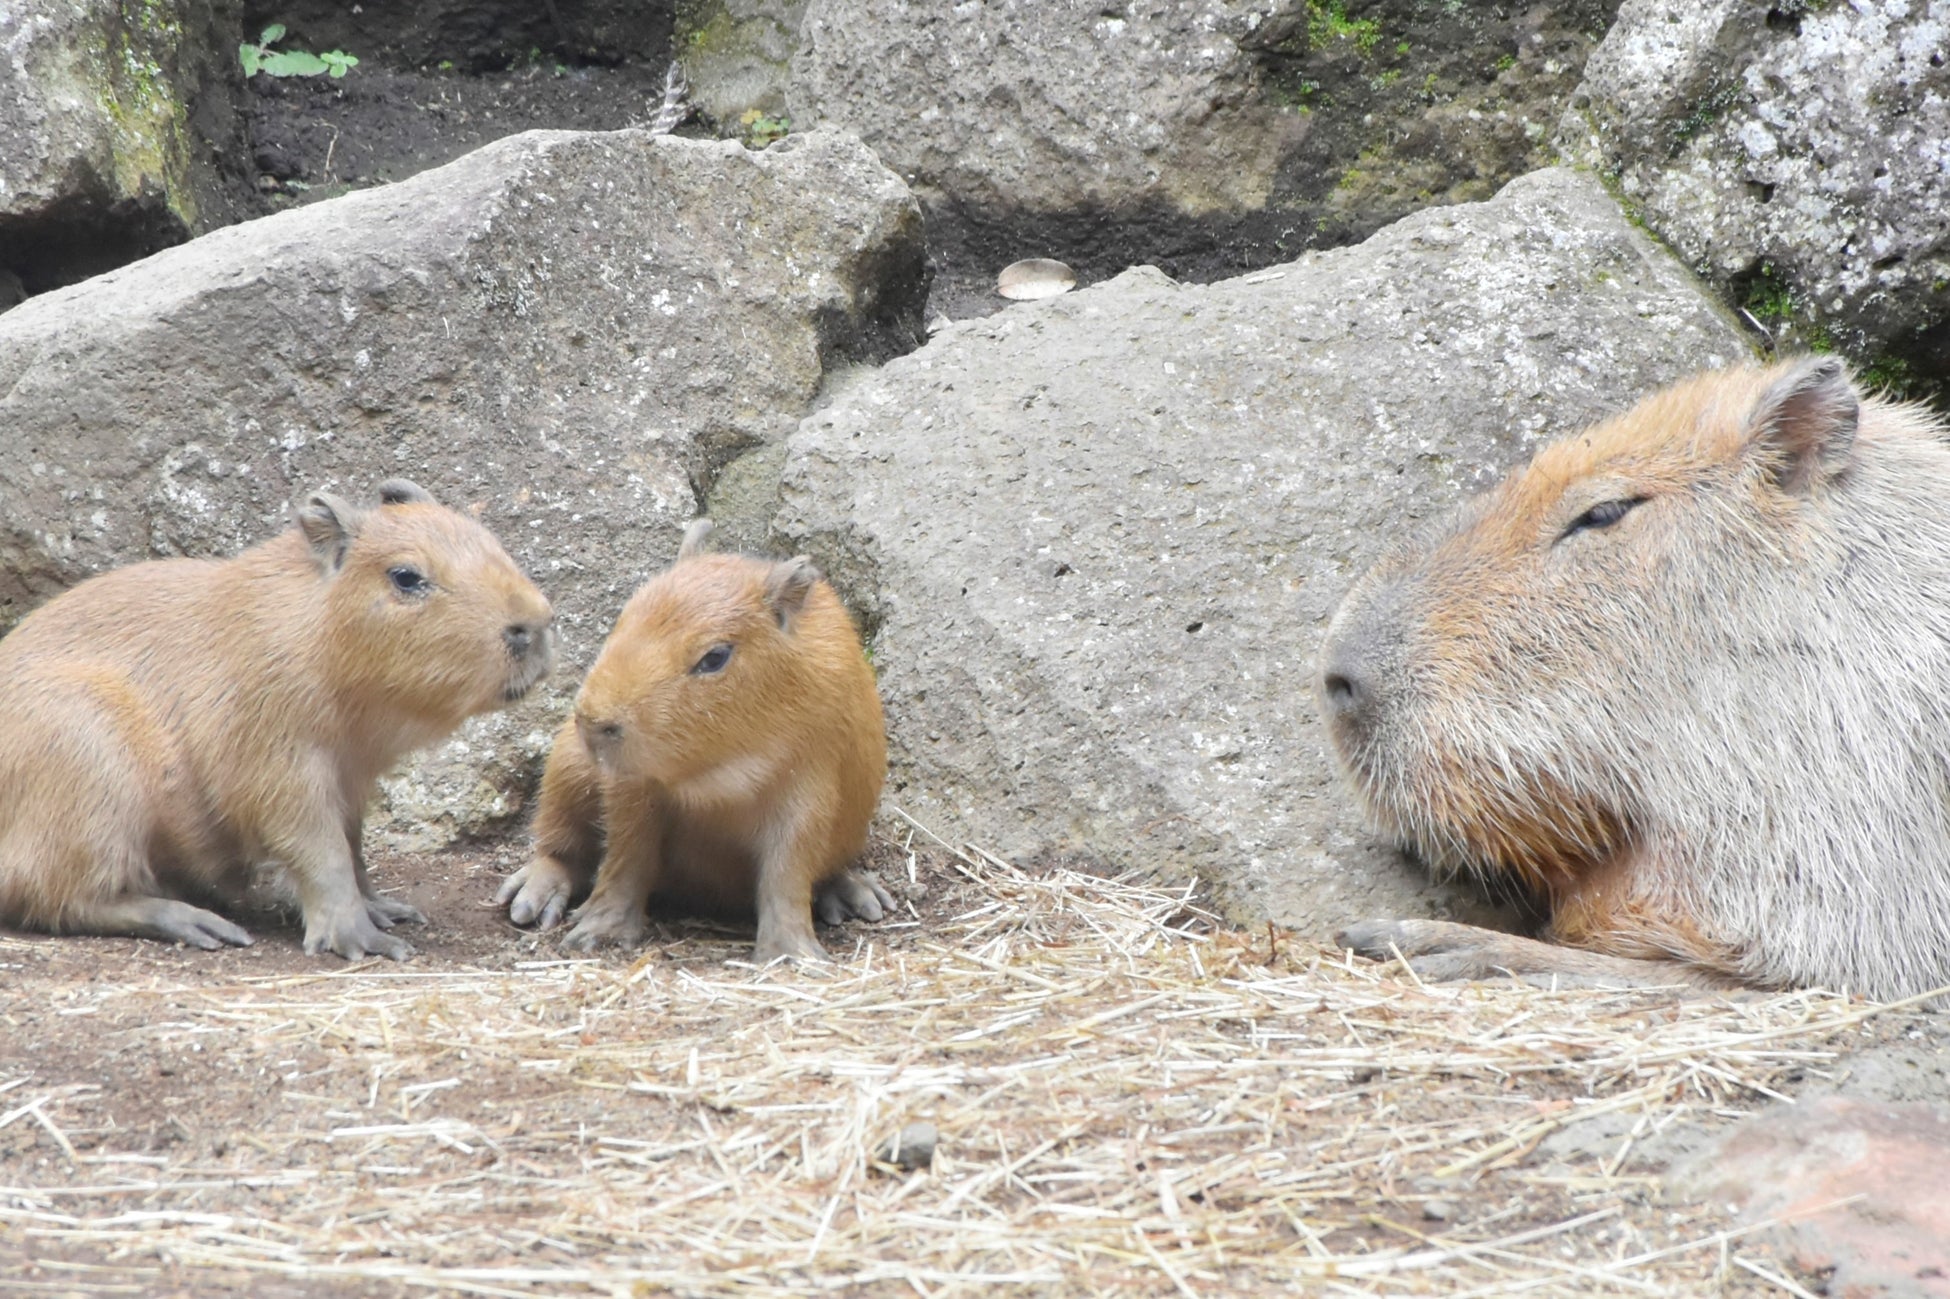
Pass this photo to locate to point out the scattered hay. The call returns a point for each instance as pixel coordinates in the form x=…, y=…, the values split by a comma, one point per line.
x=1131, y=1099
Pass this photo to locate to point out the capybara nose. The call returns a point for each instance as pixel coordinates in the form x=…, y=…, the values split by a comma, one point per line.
x=1346, y=693
x=1361, y=652
x=599, y=736
x=1347, y=689
x=530, y=638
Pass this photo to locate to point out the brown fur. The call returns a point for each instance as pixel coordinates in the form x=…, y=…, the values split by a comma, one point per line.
x=168, y=726
x=1686, y=675
x=746, y=789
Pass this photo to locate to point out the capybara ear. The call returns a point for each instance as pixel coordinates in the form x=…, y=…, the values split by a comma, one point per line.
x=329, y=524
x=1805, y=421
x=404, y=491
x=788, y=585
x=697, y=537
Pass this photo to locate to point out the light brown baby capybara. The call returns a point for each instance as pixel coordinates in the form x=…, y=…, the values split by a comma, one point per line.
x=170, y=726
x=1686, y=677
x=725, y=757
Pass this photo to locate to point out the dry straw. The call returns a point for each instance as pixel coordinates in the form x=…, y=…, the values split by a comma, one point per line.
x=1130, y=1099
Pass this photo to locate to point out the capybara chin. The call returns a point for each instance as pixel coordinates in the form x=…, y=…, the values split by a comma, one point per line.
x=1686, y=675
x=725, y=756
x=171, y=726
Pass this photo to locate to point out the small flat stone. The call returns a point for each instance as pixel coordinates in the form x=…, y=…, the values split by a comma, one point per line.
x=1035, y=277
x=912, y=1148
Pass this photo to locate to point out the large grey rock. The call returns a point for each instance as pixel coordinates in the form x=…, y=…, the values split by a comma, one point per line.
x=1794, y=153
x=1097, y=539
x=112, y=116
x=1202, y=135
x=568, y=333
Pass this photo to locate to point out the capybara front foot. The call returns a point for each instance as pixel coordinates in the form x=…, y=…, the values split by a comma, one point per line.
x=792, y=942
x=387, y=912
x=353, y=935
x=538, y=894
x=600, y=922
x=1434, y=949
x=165, y=919
x=1440, y=950
x=852, y=894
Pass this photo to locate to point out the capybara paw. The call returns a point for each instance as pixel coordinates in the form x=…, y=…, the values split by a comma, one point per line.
x=537, y=894
x=598, y=926
x=1437, y=950
x=179, y=922
x=354, y=936
x=799, y=946
x=1381, y=940
x=387, y=912
x=851, y=894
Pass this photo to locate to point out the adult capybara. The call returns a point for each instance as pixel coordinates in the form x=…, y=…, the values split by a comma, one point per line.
x=167, y=727
x=1686, y=676
x=725, y=756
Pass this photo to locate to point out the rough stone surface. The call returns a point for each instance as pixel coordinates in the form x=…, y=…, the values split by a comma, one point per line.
x=1065, y=105
x=737, y=56
x=115, y=117
x=1794, y=153
x=1097, y=538
x=1860, y=1185
x=569, y=333
x=1203, y=136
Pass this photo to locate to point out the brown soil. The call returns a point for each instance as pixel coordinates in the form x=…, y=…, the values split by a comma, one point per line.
x=313, y=138
x=205, y=1100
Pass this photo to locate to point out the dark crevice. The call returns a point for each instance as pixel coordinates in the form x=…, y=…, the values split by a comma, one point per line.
x=82, y=236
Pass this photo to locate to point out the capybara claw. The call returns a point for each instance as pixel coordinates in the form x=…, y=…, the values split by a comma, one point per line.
x=852, y=894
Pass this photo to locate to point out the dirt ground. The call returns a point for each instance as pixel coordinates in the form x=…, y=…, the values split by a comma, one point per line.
x=314, y=138
x=1129, y=1098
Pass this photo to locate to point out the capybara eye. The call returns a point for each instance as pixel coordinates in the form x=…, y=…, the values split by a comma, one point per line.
x=408, y=581
x=713, y=661
x=1602, y=515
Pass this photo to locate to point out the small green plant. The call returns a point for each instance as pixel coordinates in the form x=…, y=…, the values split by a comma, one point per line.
x=761, y=130
x=290, y=63
x=1328, y=22
x=1507, y=62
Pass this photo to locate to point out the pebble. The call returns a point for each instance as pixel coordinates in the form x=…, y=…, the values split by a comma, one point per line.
x=913, y=1148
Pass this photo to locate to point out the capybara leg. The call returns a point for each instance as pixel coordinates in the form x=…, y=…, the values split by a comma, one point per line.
x=163, y=918
x=335, y=913
x=1441, y=950
x=568, y=837
x=384, y=911
x=628, y=876
x=850, y=894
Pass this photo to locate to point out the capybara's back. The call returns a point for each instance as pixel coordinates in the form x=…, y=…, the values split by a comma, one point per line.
x=1686, y=675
